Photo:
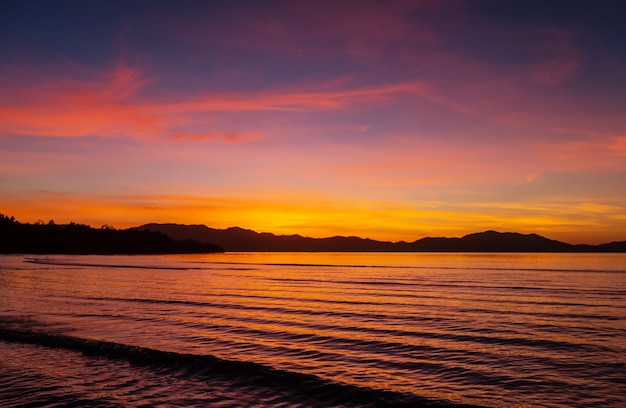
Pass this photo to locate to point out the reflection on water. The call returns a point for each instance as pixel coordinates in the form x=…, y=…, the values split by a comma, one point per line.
x=484, y=329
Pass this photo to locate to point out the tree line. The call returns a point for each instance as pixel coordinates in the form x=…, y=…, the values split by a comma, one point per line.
x=73, y=238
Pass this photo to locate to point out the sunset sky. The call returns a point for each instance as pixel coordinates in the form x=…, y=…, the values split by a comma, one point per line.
x=392, y=120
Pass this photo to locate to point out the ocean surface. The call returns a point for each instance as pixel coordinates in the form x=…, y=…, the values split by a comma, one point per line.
x=313, y=330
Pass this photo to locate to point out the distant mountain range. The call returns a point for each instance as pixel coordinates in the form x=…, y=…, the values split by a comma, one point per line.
x=237, y=239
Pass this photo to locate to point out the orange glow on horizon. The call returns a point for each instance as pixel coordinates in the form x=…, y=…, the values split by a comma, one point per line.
x=319, y=218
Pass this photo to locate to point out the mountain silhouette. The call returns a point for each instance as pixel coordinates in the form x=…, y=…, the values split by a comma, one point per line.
x=237, y=239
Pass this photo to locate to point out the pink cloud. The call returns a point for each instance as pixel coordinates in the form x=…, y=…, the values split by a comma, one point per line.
x=228, y=137
x=297, y=100
x=109, y=105
x=598, y=152
x=618, y=145
x=63, y=107
x=454, y=87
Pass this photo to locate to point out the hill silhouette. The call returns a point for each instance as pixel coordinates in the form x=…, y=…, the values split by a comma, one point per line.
x=72, y=238
x=237, y=239
x=492, y=241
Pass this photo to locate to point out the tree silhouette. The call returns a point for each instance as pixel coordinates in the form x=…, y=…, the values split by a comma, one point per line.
x=73, y=238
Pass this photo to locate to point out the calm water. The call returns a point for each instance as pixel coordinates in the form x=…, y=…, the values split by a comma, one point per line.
x=320, y=330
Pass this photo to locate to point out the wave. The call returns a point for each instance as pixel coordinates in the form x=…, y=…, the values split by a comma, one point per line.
x=470, y=285
x=103, y=265
x=249, y=266
x=508, y=338
x=61, y=262
x=317, y=391
x=433, y=267
x=397, y=282
x=351, y=314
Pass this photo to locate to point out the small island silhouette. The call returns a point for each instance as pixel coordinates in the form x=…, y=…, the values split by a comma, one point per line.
x=72, y=238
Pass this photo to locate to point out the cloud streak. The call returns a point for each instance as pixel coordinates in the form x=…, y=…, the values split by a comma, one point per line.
x=109, y=106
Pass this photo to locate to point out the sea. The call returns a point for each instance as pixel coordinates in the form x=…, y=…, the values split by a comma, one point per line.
x=313, y=330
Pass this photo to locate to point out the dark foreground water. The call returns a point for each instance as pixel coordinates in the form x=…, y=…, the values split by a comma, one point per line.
x=318, y=330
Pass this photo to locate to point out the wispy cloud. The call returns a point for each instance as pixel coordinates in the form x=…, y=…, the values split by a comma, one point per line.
x=228, y=137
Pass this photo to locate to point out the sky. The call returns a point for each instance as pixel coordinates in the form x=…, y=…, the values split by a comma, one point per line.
x=392, y=120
